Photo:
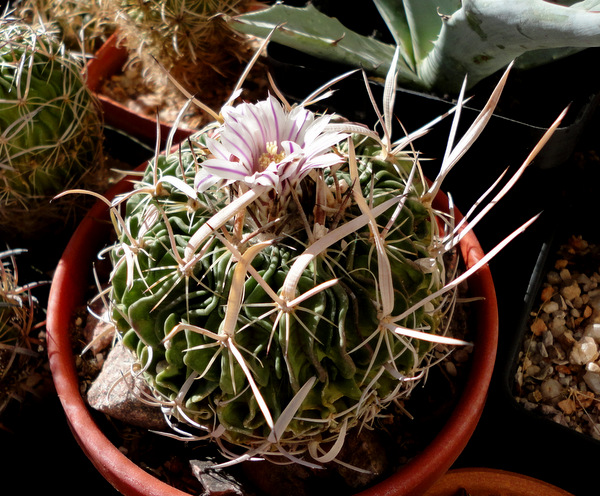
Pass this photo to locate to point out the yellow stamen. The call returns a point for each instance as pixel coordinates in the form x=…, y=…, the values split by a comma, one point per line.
x=270, y=156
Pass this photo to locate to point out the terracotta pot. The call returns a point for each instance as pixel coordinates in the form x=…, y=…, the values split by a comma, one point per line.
x=108, y=61
x=67, y=293
x=488, y=482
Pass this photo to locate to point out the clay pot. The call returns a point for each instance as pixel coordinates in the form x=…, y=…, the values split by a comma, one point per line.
x=488, y=482
x=108, y=61
x=67, y=293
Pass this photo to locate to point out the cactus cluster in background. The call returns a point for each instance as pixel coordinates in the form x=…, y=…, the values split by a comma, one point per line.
x=51, y=132
x=187, y=38
x=82, y=25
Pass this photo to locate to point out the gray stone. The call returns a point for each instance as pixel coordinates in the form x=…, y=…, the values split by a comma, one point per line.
x=116, y=393
x=215, y=482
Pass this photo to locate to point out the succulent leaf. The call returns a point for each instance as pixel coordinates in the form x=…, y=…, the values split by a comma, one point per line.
x=440, y=42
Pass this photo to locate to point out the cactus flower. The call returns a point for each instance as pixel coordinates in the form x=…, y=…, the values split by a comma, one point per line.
x=264, y=144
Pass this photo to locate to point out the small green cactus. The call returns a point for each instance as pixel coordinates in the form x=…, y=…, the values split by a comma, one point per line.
x=50, y=128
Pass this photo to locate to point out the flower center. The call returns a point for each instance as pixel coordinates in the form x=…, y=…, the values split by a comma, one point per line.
x=270, y=156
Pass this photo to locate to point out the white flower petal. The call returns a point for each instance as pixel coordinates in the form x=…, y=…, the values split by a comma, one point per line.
x=240, y=143
x=321, y=162
x=225, y=169
x=302, y=121
x=317, y=127
x=288, y=167
x=203, y=180
x=217, y=149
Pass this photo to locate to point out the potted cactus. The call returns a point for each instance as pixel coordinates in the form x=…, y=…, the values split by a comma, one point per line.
x=51, y=130
x=280, y=279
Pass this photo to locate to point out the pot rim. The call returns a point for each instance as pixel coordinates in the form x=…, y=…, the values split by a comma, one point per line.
x=107, y=61
x=66, y=293
x=478, y=480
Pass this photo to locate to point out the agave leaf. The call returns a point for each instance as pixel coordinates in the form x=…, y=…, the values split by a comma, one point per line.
x=415, y=24
x=486, y=35
x=440, y=41
x=308, y=30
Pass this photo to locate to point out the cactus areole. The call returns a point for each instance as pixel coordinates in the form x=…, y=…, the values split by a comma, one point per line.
x=279, y=278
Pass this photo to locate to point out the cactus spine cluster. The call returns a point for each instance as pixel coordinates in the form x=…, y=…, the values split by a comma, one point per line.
x=82, y=25
x=50, y=127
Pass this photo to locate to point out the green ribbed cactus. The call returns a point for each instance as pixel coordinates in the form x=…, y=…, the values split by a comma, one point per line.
x=281, y=277
x=50, y=128
x=213, y=340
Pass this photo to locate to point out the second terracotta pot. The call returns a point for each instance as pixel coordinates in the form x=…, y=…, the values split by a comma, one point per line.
x=108, y=61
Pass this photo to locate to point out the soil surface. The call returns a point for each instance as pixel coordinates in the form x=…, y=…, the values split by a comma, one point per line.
x=132, y=89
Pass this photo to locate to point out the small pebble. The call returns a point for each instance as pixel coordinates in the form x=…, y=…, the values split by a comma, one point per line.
x=571, y=292
x=584, y=351
x=593, y=331
x=451, y=369
x=594, y=293
x=551, y=390
x=565, y=275
x=461, y=355
x=592, y=379
x=538, y=327
x=568, y=406
x=553, y=278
